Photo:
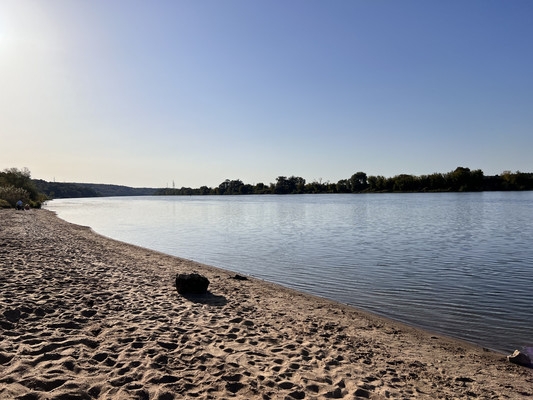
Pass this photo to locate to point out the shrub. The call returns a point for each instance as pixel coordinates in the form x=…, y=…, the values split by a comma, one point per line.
x=12, y=194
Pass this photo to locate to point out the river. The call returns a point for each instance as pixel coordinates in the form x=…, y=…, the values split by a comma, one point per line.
x=454, y=263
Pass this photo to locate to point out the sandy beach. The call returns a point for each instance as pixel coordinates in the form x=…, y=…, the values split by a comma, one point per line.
x=86, y=317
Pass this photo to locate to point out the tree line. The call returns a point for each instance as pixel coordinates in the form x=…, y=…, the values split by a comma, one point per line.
x=16, y=184
x=459, y=180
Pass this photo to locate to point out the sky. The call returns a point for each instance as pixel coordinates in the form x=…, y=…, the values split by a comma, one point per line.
x=190, y=93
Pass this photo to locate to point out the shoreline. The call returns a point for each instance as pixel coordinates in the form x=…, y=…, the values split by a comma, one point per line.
x=85, y=316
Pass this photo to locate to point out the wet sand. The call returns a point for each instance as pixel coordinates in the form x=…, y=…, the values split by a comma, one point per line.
x=86, y=317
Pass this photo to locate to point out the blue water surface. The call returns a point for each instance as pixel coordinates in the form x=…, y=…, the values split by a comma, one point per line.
x=455, y=263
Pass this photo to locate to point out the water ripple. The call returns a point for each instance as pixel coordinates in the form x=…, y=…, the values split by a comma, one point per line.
x=457, y=263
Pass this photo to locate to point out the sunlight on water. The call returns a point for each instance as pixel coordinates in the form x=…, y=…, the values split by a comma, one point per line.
x=456, y=263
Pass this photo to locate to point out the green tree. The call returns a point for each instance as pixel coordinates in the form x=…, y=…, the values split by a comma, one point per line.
x=437, y=182
x=343, y=186
x=464, y=180
x=20, y=178
x=358, y=182
x=283, y=185
x=516, y=181
x=232, y=187
x=405, y=183
x=13, y=179
x=378, y=184
x=11, y=195
x=204, y=190
x=235, y=187
x=316, y=187
x=223, y=187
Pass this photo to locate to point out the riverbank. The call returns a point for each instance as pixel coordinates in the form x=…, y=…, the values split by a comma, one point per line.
x=86, y=317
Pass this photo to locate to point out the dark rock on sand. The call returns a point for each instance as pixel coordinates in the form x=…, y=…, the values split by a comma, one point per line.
x=191, y=283
x=520, y=358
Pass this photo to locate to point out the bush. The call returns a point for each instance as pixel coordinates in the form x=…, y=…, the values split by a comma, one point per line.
x=12, y=194
x=4, y=204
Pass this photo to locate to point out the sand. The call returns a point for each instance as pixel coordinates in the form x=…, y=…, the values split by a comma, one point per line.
x=86, y=317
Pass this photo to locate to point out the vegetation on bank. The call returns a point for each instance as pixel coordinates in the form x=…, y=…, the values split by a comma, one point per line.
x=460, y=180
x=17, y=185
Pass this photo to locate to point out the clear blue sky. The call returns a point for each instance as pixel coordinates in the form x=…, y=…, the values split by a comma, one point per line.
x=143, y=93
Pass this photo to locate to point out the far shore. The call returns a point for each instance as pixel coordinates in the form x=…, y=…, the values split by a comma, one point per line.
x=83, y=316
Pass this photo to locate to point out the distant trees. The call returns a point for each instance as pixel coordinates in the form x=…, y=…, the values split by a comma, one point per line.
x=516, y=181
x=358, y=182
x=292, y=185
x=459, y=180
x=17, y=185
x=233, y=187
x=379, y=184
x=464, y=180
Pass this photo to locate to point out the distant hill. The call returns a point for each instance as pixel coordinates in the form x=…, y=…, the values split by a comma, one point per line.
x=61, y=190
x=117, y=190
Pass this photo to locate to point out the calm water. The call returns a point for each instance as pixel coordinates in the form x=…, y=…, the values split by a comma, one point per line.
x=455, y=263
